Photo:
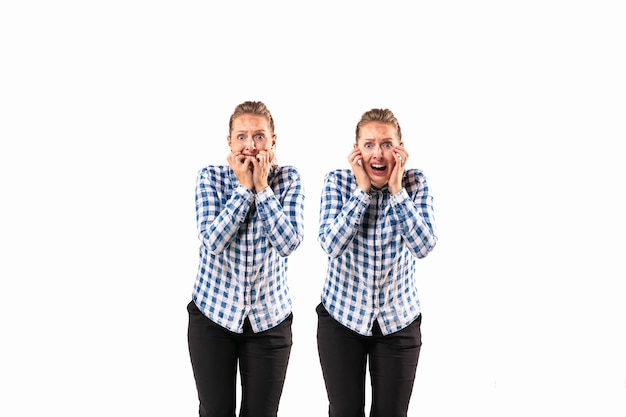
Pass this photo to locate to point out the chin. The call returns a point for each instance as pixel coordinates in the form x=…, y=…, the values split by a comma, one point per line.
x=379, y=185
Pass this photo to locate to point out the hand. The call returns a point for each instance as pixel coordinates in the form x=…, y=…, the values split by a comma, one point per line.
x=356, y=162
x=400, y=155
x=261, y=169
x=242, y=166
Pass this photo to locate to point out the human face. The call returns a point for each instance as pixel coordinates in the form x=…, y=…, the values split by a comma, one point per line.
x=377, y=142
x=251, y=134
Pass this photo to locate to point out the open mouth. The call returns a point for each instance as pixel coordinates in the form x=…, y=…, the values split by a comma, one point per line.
x=378, y=168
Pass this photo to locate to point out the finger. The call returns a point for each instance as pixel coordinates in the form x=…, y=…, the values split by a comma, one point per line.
x=262, y=159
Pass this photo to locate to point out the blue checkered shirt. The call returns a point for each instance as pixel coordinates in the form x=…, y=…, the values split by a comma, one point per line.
x=372, y=241
x=245, y=239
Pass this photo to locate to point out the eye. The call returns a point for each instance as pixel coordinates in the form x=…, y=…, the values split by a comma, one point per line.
x=259, y=136
x=367, y=145
x=388, y=145
x=240, y=137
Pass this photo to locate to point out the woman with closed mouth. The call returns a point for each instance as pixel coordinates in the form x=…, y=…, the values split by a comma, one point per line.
x=250, y=218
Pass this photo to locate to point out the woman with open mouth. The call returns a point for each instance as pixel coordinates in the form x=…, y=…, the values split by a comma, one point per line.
x=376, y=220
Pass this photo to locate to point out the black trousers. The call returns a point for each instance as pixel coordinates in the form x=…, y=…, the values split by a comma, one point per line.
x=392, y=359
x=262, y=359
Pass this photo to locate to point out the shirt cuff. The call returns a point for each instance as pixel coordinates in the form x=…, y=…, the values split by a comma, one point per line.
x=244, y=193
x=399, y=197
x=264, y=194
x=362, y=196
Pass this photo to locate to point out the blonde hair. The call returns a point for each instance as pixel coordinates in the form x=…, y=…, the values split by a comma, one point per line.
x=257, y=108
x=379, y=115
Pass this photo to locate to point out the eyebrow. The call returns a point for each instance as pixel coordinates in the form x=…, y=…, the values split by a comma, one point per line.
x=254, y=132
x=372, y=139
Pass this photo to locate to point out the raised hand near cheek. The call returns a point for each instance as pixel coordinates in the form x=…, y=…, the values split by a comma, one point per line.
x=400, y=156
x=241, y=165
x=356, y=163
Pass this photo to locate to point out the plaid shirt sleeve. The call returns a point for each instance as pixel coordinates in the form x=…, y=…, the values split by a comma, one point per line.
x=218, y=224
x=283, y=224
x=339, y=221
x=415, y=214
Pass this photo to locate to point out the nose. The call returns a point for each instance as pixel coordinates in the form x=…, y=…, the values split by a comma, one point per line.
x=250, y=143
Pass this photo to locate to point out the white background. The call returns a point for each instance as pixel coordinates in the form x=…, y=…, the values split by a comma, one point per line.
x=514, y=109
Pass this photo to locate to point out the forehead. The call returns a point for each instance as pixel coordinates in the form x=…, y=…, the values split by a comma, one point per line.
x=377, y=131
x=247, y=122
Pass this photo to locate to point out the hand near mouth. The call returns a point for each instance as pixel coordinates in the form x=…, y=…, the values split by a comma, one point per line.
x=261, y=164
x=243, y=167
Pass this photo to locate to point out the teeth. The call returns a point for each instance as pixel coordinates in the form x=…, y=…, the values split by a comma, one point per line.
x=378, y=166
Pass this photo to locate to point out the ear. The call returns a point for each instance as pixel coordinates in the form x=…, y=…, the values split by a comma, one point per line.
x=355, y=146
x=228, y=140
x=273, y=140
